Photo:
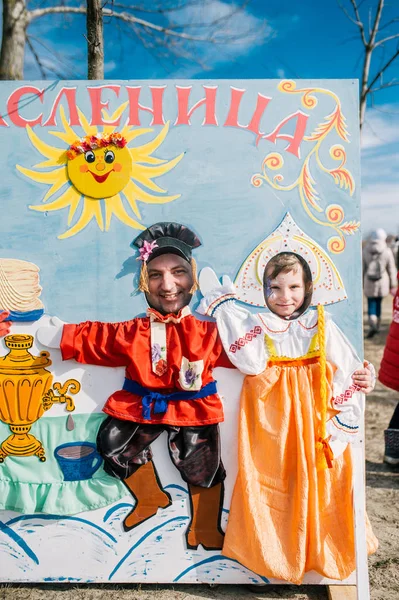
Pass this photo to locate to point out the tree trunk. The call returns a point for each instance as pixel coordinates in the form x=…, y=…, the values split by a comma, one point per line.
x=15, y=21
x=95, y=40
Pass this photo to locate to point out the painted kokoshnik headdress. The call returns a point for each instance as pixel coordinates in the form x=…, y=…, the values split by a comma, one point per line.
x=328, y=288
x=166, y=238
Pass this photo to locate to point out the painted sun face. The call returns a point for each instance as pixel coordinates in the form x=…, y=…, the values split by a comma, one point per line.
x=101, y=173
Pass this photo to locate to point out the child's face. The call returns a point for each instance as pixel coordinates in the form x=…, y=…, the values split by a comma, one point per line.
x=286, y=293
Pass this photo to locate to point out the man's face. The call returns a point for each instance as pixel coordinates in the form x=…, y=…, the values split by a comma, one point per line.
x=170, y=279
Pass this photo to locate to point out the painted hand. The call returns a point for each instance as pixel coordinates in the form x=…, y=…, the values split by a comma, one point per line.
x=213, y=291
x=4, y=325
x=365, y=378
x=208, y=281
x=50, y=335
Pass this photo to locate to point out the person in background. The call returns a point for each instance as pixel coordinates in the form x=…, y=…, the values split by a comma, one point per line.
x=389, y=376
x=393, y=244
x=379, y=277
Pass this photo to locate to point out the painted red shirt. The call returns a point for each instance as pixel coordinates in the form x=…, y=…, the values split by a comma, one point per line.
x=128, y=344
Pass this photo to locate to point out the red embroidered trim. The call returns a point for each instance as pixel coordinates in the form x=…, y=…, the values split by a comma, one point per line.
x=240, y=343
x=308, y=328
x=219, y=300
x=278, y=330
x=347, y=394
x=272, y=330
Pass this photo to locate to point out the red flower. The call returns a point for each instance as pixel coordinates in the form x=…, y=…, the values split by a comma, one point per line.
x=91, y=142
x=161, y=367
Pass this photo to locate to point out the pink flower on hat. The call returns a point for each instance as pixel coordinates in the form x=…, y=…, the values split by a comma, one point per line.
x=146, y=250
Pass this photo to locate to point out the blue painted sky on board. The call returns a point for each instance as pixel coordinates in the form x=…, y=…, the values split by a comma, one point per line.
x=304, y=39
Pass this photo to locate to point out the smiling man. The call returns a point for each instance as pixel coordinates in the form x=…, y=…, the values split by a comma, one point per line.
x=169, y=357
x=170, y=281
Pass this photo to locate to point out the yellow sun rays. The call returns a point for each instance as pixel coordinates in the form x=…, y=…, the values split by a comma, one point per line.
x=141, y=186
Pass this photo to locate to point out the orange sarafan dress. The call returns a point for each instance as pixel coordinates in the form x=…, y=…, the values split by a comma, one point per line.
x=290, y=514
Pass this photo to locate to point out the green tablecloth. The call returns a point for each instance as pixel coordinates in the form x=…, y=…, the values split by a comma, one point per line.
x=28, y=485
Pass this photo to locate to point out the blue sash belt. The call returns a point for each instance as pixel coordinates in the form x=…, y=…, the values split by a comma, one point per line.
x=161, y=401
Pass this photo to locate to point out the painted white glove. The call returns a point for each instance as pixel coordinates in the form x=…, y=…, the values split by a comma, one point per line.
x=345, y=425
x=50, y=335
x=214, y=292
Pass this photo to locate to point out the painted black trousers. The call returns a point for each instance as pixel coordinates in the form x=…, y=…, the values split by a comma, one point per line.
x=195, y=451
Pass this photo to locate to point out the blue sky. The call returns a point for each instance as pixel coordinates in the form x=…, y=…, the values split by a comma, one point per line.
x=294, y=39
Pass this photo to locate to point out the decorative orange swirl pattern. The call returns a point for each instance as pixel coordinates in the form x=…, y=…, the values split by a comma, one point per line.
x=335, y=214
x=336, y=244
x=306, y=181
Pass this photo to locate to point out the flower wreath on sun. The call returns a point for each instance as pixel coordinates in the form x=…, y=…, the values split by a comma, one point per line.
x=97, y=168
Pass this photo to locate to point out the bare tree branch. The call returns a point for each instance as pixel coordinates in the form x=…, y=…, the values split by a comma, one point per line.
x=359, y=22
x=36, y=57
x=376, y=22
x=71, y=72
x=129, y=18
x=370, y=44
x=124, y=16
x=161, y=10
x=387, y=39
x=381, y=71
x=53, y=10
x=385, y=86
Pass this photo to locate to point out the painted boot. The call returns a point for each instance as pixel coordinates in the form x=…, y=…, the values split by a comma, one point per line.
x=146, y=488
x=391, y=455
x=206, y=511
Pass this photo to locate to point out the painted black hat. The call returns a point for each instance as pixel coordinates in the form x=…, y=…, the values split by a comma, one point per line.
x=166, y=238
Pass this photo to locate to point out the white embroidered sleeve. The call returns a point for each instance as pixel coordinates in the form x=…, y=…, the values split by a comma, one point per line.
x=347, y=398
x=214, y=293
x=242, y=337
x=241, y=332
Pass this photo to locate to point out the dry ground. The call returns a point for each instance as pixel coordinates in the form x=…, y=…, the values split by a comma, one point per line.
x=382, y=505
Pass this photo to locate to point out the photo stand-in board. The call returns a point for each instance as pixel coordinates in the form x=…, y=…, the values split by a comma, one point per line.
x=253, y=168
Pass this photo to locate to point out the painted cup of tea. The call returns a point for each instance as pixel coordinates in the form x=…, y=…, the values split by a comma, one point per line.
x=78, y=460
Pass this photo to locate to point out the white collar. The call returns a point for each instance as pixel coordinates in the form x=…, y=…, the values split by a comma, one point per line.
x=276, y=327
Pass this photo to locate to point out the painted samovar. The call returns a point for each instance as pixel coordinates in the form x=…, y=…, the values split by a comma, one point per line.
x=26, y=393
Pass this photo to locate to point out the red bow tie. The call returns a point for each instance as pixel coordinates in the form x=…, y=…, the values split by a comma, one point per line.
x=171, y=318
